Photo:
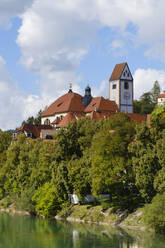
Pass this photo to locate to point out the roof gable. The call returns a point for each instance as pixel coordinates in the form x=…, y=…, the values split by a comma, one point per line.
x=69, y=117
x=101, y=104
x=126, y=74
x=121, y=71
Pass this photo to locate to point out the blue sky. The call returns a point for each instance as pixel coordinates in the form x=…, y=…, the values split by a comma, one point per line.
x=45, y=45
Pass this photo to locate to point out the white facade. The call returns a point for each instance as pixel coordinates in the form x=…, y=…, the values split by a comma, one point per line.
x=121, y=91
x=52, y=118
x=114, y=89
x=161, y=101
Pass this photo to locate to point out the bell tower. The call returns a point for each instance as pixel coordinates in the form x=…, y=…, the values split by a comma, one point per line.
x=121, y=87
x=88, y=97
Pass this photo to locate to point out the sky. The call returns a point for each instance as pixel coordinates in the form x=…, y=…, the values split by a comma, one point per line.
x=45, y=45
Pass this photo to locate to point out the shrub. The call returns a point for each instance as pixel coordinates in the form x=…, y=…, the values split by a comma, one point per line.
x=154, y=213
x=46, y=200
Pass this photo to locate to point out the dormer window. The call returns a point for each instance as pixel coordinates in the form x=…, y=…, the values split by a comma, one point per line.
x=126, y=85
x=58, y=105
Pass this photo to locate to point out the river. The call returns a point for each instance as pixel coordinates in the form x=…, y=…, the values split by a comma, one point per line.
x=28, y=232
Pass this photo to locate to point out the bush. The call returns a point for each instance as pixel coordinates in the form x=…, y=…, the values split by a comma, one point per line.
x=154, y=213
x=46, y=200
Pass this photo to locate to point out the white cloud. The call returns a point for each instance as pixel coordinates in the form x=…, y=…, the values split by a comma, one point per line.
x=144, y=80
x=101, y=90
x=117, y=48
x=12, y=8
x=15, y=106
x=55, y=35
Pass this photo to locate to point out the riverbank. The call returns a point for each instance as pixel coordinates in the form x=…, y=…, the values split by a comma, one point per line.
x=98, y=215
x=90, y=214
x=12, y=209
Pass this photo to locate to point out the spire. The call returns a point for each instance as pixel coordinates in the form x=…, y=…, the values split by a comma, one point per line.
x=88, y=97
x=88, y=91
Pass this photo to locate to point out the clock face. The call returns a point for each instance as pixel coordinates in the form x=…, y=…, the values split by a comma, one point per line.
x=127, y=95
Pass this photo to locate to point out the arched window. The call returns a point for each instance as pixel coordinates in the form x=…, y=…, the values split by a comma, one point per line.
x=47, y=122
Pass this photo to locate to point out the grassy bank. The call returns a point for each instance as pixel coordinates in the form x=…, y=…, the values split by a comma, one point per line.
x=96, y=214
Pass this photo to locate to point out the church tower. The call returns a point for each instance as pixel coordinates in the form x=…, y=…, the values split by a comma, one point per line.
x=88, y=97
x=121, y=87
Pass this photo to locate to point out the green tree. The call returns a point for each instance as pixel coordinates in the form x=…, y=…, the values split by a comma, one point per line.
x=154, y=214
x=147, y=105
x=111, y=162
x=34, y=120
x=155, y=92
x=147, y=102
x=45, y=200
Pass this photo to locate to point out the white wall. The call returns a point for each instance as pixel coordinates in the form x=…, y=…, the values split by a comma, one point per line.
x=161, y=101
x=114, y=93
x=52, y=118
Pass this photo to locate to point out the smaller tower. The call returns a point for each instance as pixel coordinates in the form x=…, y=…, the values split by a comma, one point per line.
x=88, y=97
x=121, y=87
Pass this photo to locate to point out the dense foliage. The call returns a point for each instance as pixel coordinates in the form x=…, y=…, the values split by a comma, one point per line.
x=154, y=213
x=148, y=101
x=114, y=156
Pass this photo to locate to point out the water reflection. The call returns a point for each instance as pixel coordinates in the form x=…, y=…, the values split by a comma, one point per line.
x=25, y=232
x=75, y=238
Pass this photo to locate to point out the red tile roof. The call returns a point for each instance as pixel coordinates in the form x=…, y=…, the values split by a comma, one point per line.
x=137, y=117
x=97, y=116
x=70, y=102
x=34, y=129
x=117, y=72
x=161, y=96
x=70, y=117
x=56, y=121
x=101, y=105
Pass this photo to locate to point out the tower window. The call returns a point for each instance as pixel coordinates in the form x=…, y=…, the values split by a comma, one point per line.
x=126, y=85
x=114, y=86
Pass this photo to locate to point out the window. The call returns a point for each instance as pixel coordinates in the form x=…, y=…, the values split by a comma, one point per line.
x=126, y=85
x=58, y=105
x=29, y=135
x=49, y=137
x=47, y=122
x=114, y=86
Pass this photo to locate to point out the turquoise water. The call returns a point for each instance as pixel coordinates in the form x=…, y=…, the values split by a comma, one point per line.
x=28, y=232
